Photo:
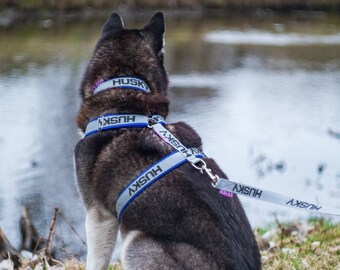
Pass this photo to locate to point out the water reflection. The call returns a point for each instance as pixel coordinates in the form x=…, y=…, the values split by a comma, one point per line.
x=270, y=39
x=36, y=146
x=277, y=117
x=255, y=107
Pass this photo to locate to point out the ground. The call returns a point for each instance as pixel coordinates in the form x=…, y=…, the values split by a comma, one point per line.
x=312, y=245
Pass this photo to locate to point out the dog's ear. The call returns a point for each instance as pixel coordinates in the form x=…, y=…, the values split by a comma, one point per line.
x=113, y=23
x=156, y=27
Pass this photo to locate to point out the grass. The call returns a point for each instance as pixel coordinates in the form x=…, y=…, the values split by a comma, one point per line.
x=312, y=245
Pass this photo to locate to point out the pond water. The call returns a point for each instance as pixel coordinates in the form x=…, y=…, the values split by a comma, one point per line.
x=262, y=90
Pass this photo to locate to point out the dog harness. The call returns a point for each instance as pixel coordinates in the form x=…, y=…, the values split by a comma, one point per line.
x=115, y=121
x=181, y=155
x=155, y=171
x=151, y=175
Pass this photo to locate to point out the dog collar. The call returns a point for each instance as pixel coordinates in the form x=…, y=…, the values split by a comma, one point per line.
x=114, y=121
x=150, y=176
x=121, y=82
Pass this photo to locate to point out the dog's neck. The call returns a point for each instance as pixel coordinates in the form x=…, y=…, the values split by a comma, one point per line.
x=121, y=100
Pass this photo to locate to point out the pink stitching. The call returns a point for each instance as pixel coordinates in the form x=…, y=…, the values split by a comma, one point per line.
x=99, y=82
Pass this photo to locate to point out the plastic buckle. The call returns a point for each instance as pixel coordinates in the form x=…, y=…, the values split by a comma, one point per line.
x=155, y=119
x=100, y=123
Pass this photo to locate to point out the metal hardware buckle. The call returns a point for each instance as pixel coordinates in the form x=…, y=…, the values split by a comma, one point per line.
x=204, y=169
x=155, y=119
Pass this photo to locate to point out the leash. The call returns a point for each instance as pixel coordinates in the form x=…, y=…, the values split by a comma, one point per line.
x=239, y=188
x=272, y=197
x=180, y=156
x=156, y=122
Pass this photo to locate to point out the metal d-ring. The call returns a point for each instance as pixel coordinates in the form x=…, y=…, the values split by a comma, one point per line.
x=201, y=169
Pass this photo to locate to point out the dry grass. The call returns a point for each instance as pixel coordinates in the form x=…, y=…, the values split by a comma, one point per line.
x=314, y=246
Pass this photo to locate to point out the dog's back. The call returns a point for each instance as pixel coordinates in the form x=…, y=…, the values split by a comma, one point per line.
x=180, y=221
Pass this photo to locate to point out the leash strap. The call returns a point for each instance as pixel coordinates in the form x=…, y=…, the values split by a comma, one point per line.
x=272, y=197
x=151, y=175
x=123, y=82
x=114, y=121
x=183, y=154
x=170, y=139
x=241, y=189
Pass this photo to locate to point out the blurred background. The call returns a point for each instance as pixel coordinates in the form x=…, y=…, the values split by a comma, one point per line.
x=259, y=81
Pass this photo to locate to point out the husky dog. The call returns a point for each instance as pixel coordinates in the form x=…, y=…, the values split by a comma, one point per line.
x=178, y=222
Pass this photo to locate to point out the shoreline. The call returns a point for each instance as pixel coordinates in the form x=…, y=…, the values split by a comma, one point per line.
x=241, y=5
x=10, y=17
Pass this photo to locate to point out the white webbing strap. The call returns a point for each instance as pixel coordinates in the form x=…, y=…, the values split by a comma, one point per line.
x=272, y=197
x=184, y=154
x=170, y=139
x=149, y=176
x=123, y=82
x=241, y=189
x=113, y=121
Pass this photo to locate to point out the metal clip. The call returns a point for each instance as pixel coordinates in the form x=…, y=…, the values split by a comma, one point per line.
x=213, y=177
x=205, y=169
x=201, y=169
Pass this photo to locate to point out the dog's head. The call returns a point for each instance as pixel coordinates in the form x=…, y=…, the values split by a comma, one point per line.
x=124, y=52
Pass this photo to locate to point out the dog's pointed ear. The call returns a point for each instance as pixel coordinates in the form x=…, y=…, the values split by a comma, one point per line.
x=156, y=26
x=113, y=23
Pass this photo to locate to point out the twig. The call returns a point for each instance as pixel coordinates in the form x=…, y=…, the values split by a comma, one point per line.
x=72, y=228
x=48, y=248
x=36, y=246
x=29, y=233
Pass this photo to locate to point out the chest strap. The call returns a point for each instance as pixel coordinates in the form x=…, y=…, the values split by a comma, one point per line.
x=151, y=175
x=114, y=121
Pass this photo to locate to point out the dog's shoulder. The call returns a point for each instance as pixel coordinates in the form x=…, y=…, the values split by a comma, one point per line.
x=186, y=134
x=148, y=140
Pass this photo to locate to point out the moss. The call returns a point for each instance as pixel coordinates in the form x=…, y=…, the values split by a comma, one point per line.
x=315, y=245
